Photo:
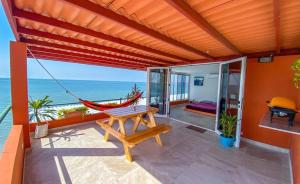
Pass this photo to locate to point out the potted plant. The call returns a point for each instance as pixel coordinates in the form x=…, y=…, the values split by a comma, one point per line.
x=228, y=123
x=135, y=90
x=296, y=68
x=41, y=114
x=72, y=112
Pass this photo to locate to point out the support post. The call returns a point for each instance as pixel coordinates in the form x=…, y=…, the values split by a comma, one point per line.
x=19, y=87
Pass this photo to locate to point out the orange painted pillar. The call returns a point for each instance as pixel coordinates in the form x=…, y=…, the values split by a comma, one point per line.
x=19, y=89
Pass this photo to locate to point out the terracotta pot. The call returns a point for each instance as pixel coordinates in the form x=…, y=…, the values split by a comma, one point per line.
x=73, y=114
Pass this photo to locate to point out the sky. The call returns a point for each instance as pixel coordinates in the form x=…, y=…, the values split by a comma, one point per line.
x=61, y=70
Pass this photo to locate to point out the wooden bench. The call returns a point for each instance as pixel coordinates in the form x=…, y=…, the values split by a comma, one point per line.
x=143, y=135
x=136, y=138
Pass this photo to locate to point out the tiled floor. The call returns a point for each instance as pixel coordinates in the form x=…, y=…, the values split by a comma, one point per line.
x=178, y=112
x=78, y=155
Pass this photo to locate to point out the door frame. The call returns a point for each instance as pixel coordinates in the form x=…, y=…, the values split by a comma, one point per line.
x=167, y=92
x=243, y=61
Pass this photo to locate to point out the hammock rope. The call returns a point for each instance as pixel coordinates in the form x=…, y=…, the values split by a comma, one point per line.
x=57, y=81
x=93, y=105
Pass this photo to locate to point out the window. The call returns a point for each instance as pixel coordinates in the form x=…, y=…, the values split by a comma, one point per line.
x=179, y=86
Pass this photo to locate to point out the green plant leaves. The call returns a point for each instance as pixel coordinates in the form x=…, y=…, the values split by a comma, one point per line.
x=39, y=109
x=61, y=113
x=228, y=124
x=296, y=67
x=135, y=90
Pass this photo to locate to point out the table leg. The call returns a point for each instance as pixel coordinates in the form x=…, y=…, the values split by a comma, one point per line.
x=127, y=152
x=122, y=126
x=136, y=124
x=153, y=124
x=110, y=123
x=126, y=148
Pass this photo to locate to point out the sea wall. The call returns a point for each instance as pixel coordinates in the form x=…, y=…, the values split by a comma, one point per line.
x=72, y=120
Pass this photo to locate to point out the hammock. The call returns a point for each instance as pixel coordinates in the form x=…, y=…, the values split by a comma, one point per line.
x=102, y=107
x=92, y=105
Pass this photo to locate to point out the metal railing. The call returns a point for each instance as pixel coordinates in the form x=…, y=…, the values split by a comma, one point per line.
x=4, y=113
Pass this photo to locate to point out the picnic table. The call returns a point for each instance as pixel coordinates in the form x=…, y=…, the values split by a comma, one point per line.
x=136, y=114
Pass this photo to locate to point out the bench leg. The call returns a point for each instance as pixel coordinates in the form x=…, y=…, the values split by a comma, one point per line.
x=110, y=123
x=127, y=153
x=153, y=124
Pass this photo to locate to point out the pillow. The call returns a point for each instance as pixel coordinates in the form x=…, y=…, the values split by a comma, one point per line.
x=283, y=103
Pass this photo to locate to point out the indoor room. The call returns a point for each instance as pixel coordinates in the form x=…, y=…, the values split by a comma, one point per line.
x=194, y=93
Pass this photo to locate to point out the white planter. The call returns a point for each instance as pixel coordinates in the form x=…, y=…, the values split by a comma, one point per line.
x=41, y=131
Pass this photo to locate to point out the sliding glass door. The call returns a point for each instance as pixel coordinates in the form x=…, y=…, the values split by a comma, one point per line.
x=179, y=87
x=231, y=93
x=158, y=89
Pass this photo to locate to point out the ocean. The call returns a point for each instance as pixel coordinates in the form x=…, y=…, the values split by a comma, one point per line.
x=89, y=90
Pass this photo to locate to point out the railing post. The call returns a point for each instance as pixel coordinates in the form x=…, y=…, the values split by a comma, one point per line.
x=19, y=93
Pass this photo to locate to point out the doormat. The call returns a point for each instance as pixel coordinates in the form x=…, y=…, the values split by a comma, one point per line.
x=201, y=130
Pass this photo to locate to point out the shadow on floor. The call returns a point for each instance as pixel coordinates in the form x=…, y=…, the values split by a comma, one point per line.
x=79, y=155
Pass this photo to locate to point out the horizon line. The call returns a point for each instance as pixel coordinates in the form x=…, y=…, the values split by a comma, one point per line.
x=1, y=77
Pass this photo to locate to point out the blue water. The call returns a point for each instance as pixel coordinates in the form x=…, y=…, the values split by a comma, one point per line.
x=38, y=88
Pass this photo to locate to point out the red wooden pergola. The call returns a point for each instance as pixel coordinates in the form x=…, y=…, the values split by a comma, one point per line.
x=136, y=34
x=132, y=34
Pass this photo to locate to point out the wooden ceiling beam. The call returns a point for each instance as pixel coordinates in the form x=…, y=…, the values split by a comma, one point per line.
x=186, y=10
x=111, y=15
x=58, y=57
x=82, y=56
x=46, y=35
x=18, y=13
x=78, y=61
x=277, y=25
x=283, y=52
x=86, y=51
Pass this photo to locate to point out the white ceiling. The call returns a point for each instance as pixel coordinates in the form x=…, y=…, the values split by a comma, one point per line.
x=202, y=68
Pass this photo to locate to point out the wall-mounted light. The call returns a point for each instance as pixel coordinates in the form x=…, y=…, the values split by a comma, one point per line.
x=265, y=59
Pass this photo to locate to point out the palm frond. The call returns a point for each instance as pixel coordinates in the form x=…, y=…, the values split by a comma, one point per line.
x=39, y=108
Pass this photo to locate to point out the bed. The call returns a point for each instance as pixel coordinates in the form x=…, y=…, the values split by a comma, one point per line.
x=204, y=108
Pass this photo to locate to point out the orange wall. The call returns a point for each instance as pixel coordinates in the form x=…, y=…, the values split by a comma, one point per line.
x=12, y=159
x=264, y=81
